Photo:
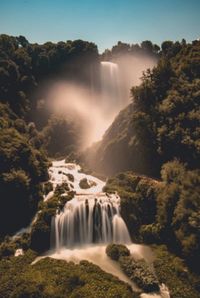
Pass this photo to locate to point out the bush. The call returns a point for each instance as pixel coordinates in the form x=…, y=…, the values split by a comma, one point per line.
x=48, y=186
x=84, y=183
x=7, y=248
x=115, y=251
x=140, y=273
x=60, y=189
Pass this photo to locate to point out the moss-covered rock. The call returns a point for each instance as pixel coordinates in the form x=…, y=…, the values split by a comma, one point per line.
x=84, y=183
x=115, y=251
x=69, y=176
x=41, y=229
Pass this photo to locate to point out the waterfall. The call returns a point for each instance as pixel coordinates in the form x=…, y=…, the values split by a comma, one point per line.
x=91, y=217
x=110, y=87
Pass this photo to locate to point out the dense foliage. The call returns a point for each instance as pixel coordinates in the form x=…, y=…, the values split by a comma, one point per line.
x=172, y=271
x=138, y=200
x=55, y=278
x=23, y=168
x=164, y=211
x=146, y=48
x=41, y=229
x=138, y=271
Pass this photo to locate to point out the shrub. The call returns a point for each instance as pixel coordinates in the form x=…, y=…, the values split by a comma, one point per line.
x=60, y=189
x=115, y=251
x=84, y=183
x=140, y=273
x=48, y=186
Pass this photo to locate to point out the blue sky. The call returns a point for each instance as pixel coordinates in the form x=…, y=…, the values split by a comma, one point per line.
x=104, y=22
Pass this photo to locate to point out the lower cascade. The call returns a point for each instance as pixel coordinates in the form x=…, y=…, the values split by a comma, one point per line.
x=91, y=217
x=88, y=219
x=89, y=222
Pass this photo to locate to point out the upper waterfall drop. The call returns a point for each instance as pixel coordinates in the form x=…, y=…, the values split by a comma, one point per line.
x=110, y=87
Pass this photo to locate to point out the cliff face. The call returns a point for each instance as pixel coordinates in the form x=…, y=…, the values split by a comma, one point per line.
x=122, y=148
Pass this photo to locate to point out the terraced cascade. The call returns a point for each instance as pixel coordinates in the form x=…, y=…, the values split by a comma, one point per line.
x=89, y=222
x=92, y=216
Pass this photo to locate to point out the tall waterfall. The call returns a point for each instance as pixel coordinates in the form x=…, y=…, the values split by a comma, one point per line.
x=92, y=216
x=110, y=87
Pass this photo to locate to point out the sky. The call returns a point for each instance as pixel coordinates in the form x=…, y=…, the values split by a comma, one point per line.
x=104, y=22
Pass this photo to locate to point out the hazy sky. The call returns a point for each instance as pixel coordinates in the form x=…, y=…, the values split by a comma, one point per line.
x=104, y=22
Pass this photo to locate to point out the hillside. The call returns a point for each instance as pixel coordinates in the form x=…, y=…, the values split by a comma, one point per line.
x=163, y=120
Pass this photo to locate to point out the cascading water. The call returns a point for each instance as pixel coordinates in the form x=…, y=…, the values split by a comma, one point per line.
x=88, y=219
x=110, y=87
x=88, y=222
x=92, y=217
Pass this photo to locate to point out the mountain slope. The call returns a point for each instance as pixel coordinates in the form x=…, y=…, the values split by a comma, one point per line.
x=162, y=123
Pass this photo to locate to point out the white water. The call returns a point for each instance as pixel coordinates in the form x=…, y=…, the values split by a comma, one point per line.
x=80, y=232
x=110, y=88
x=90, y=217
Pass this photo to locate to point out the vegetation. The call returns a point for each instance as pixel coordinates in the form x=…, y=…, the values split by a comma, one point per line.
x=23, y=169
x=23, y=111
x=138, y=200
x=138, y=271
x=25, y=71
x=61, y=136
x=172, y=271
x=115, y=251
x=56, y=278
x=47, y=187
x=146, y=48
x=162, y=211
x=41, y=229
x=9, y=246
x=85, y=183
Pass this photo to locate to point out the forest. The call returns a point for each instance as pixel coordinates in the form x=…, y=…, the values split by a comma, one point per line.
x=149, y=156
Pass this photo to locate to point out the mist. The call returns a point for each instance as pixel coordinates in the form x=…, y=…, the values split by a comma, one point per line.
x=94, y=108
